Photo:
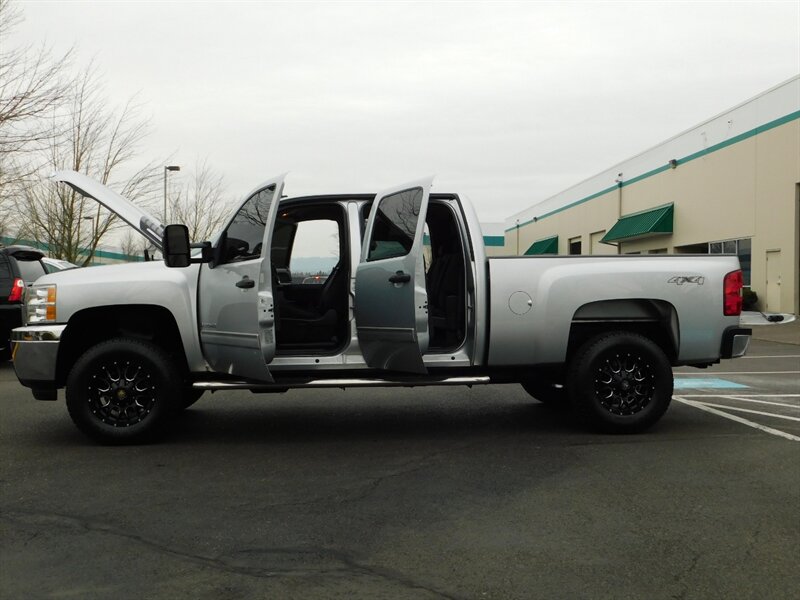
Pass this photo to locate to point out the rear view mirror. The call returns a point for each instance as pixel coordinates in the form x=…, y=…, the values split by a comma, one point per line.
x=176, y=246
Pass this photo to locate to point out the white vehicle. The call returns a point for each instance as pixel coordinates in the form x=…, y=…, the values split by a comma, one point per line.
x=134, y=344
x=53, y=265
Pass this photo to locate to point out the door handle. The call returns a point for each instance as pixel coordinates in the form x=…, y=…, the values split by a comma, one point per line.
x=400, y=277
x=245, y=283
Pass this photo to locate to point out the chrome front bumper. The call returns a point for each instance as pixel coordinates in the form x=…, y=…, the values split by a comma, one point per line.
x=34, y=351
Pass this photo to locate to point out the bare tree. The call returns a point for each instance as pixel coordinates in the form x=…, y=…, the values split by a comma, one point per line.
x=32, y=85
x=135, y=245
x=100, y=142
x=131, y=244
x=200, y=203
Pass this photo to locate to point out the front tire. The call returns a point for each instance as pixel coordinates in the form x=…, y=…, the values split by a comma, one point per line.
x=620, y=382
x=123, y=391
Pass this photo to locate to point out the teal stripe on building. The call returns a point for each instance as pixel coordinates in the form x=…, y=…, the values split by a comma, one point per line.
x=8, y=241
x=793, y=116
x=494, y=241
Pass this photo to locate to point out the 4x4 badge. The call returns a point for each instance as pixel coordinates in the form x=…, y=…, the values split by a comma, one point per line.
x=681, y=279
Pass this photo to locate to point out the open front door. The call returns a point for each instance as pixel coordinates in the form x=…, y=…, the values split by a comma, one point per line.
x=391, y=304
x=235, y=303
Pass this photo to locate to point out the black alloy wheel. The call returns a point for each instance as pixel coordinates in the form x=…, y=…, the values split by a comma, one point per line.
x=624, y=382
x=620, y=382
x=123, y=391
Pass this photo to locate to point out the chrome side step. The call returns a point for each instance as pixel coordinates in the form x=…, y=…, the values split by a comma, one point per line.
x=338, y=383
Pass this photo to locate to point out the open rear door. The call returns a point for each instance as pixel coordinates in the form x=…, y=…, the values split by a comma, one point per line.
x=134, y=216
x=391, y=303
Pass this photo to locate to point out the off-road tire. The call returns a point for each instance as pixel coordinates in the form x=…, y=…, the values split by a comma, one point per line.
x=124, y=391
x=620, y=382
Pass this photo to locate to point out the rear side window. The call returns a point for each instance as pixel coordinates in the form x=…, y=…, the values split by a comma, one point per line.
x=395, y=225
x=30, y=270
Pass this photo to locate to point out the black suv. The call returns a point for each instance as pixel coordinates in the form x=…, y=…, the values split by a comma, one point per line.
x=20, y=266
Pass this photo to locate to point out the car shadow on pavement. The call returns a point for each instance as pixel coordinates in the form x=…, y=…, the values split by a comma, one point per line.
x=412, y=422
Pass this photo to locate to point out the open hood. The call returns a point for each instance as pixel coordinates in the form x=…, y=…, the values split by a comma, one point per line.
x=141, y=221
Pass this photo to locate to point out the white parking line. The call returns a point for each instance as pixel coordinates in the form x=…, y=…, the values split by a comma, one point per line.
x=742, y=399
x=752, y=412
x=714, y=373
x=775, y=356
x=738, y=419
x=740, y=396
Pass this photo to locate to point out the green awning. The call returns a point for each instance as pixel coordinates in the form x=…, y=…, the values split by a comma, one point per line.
x=545, y=246
x=647, y=223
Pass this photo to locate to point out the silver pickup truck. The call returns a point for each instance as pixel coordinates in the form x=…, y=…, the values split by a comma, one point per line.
x=413, y=300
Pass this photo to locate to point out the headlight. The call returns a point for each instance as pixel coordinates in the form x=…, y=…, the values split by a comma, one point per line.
x=41, y=304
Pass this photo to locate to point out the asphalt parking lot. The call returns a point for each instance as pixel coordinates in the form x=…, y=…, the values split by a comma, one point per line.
x=425, y=493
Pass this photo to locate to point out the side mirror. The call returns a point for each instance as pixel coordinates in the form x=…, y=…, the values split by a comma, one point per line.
x=175, y=244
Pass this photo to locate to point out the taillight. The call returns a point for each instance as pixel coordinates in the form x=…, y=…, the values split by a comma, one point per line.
x=16, y=290
x=732, y=298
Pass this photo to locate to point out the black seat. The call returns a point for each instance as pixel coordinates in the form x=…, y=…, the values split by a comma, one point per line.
x=318, y=324
x=445, y=280
x=445, y=305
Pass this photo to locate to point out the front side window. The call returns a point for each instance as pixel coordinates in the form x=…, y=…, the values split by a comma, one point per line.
x=395, y=224
x=245, y=234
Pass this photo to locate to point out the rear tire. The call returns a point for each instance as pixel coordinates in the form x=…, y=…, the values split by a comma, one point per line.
x=124, y=391
x=620, y=382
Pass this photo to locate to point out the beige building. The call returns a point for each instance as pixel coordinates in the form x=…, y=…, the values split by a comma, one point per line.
x=728, y=185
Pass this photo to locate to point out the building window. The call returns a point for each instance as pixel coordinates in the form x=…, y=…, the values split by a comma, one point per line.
x=743, y=252
x=692, y=249
x=575, y=245
x=740, y=248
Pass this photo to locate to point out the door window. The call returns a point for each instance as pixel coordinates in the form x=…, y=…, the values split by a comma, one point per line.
x=246, y=231
x=395, y=225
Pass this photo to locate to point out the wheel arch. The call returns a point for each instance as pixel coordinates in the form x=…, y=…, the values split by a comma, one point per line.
x=655, y=319
x=91, y=326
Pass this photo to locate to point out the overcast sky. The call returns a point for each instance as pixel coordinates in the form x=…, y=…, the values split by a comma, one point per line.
x=507, y=102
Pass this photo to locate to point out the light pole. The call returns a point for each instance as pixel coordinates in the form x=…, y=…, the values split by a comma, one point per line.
x=94, y=233
x=167, y=169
